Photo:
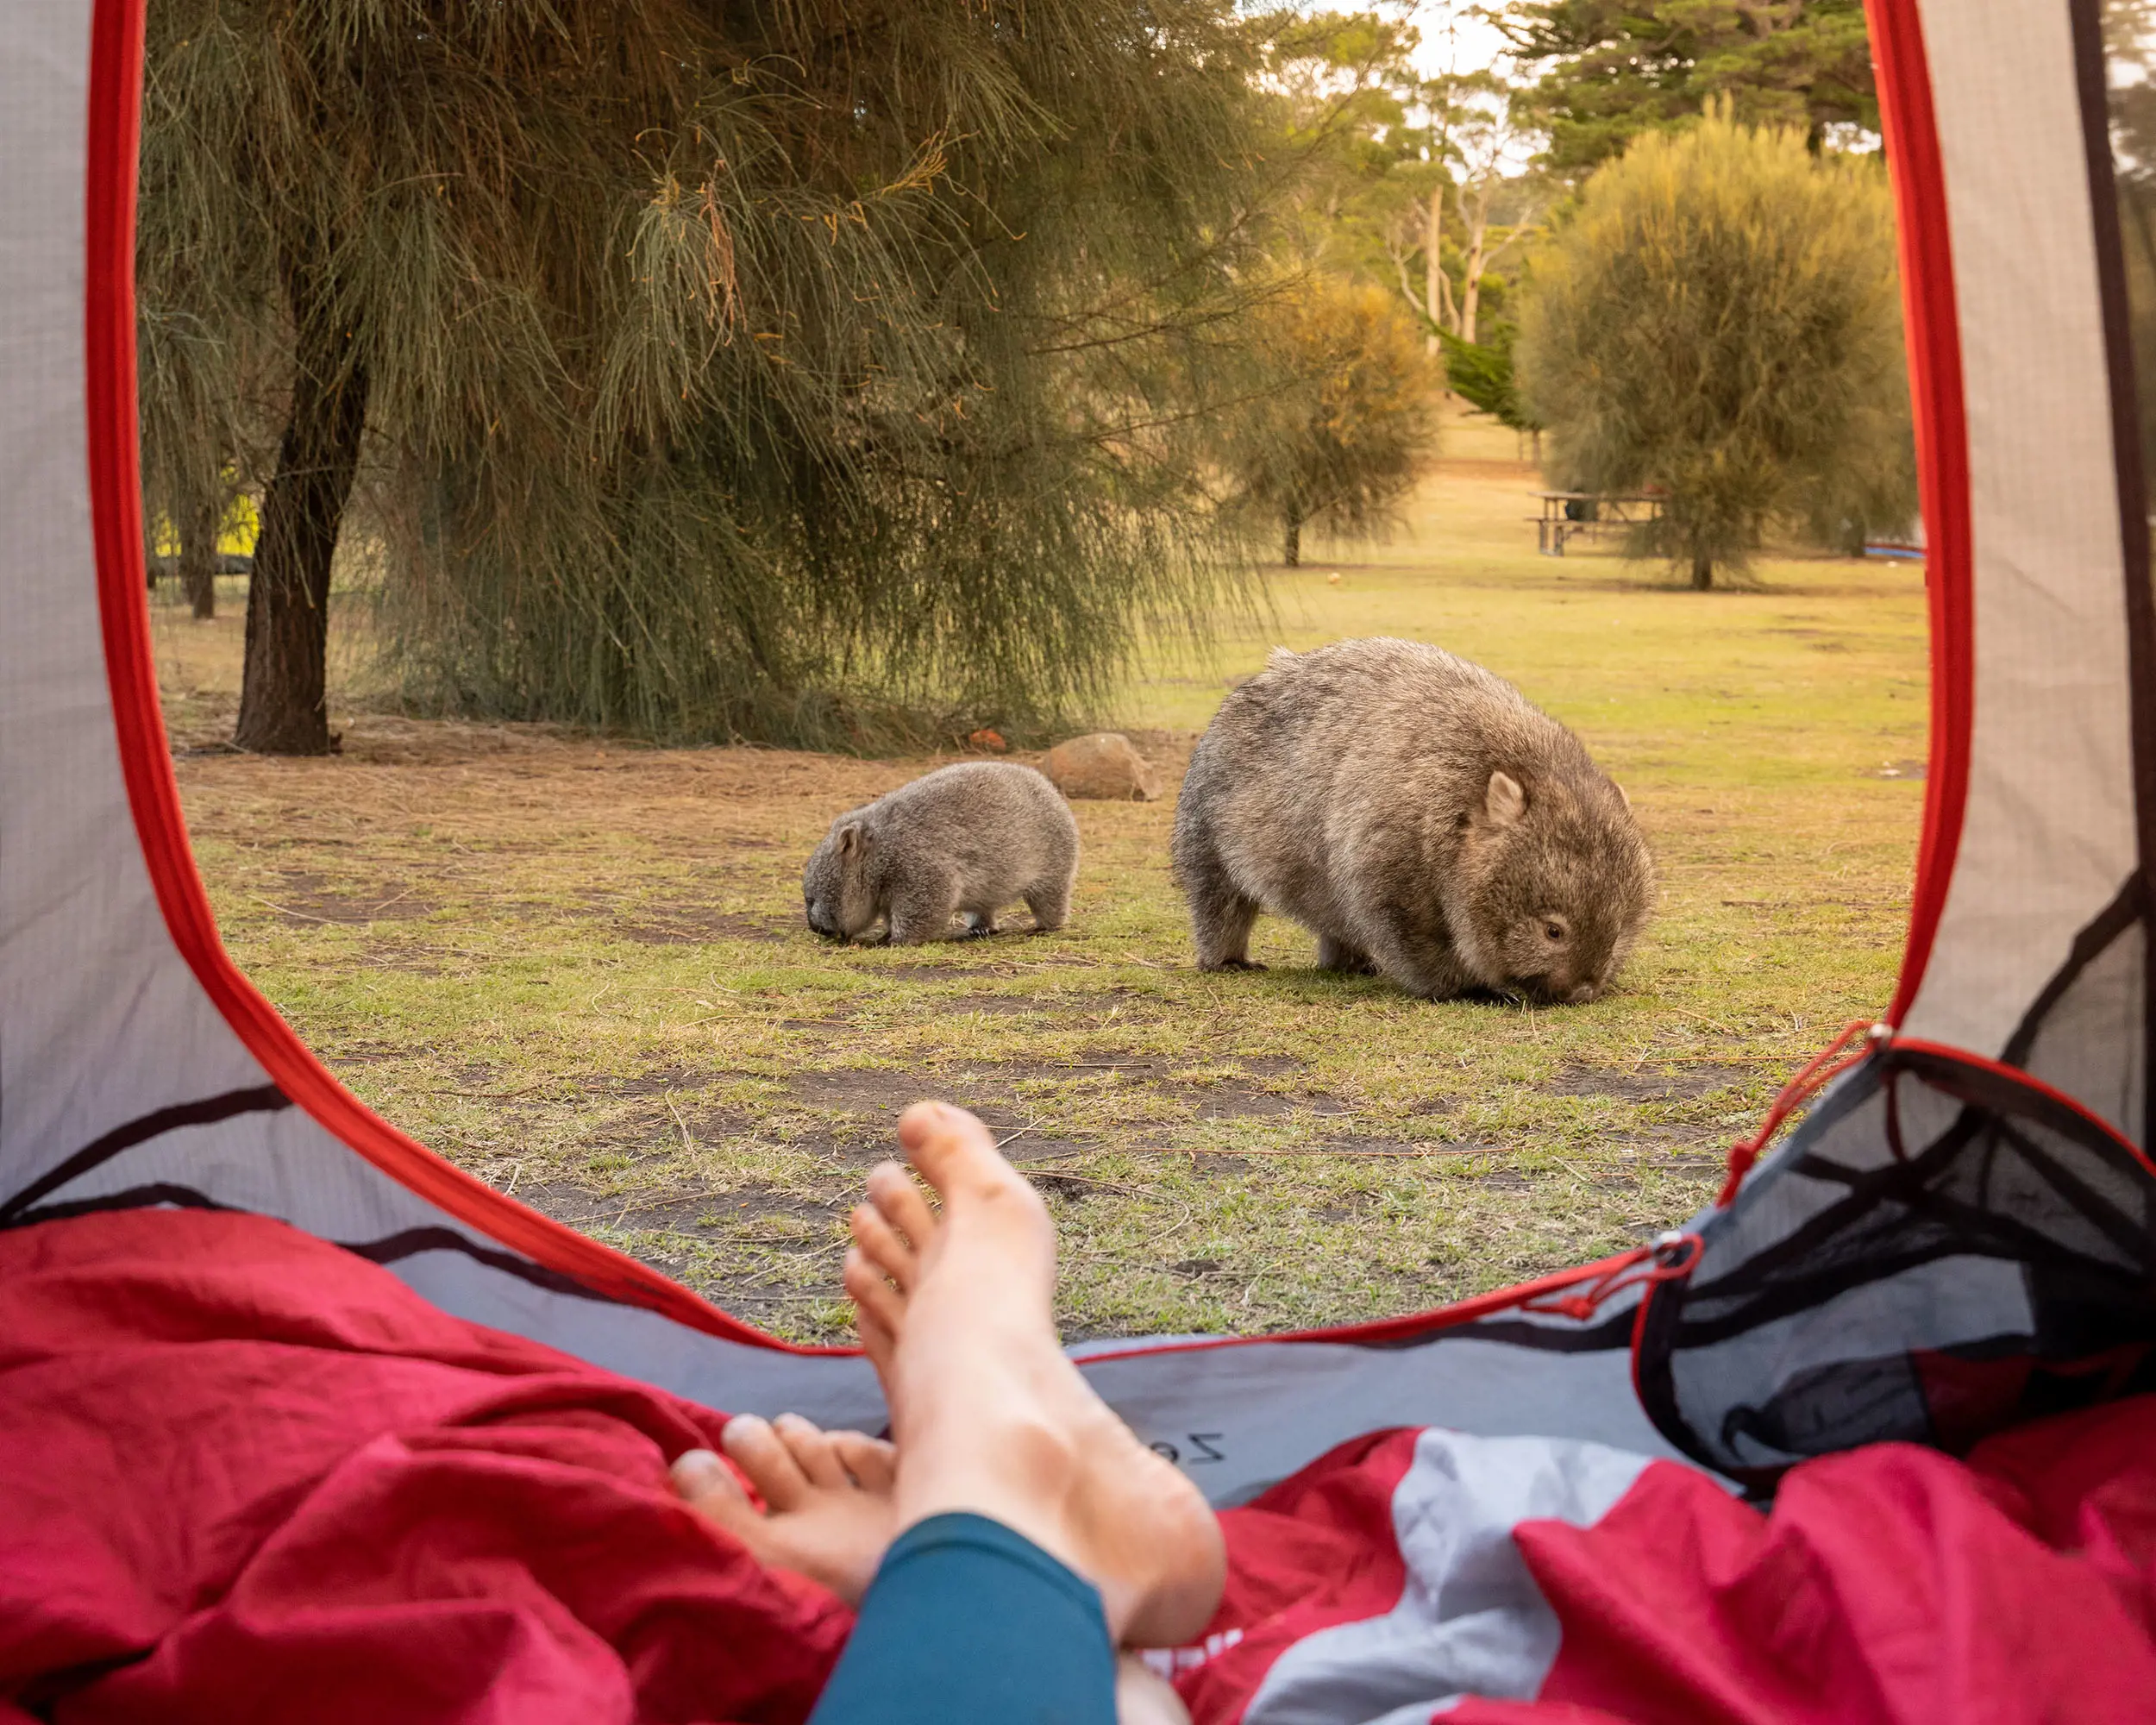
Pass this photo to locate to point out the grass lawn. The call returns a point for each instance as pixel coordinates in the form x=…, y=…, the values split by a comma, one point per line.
x=579, y=969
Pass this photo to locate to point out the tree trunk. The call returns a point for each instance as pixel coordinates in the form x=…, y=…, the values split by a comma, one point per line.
x=1478, y=226
x=1436, y=289
x=283, y=708
x=1703, y=573
x=198, y=555
x=1291, y=540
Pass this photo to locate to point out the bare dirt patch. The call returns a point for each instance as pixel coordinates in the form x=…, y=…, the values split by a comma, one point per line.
x=997, y=1005
x=1680, y=1083
x=689, y=927
x=1230, y=1100
x=854, y=1091
x=308, y=898
x=663, y=1081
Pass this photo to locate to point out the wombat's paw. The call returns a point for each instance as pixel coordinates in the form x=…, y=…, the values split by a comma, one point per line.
x=1234, y=964
x=1345, y=960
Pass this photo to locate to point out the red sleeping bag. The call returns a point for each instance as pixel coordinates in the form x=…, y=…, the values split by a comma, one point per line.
x=250, y=1477
x=246, y=1476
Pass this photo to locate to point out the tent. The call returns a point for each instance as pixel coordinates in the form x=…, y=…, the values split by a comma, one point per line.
x=1958, y=1234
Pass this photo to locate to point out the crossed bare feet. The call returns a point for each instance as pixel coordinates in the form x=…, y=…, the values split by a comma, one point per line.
x=990, y=1415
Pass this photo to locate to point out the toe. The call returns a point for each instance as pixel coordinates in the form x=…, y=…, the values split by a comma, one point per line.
x=883, y=1245
x=878, y=1340
x=897, y=1197
x=757, y=1450
x=874, y=1298
x=707, y=1485
x=872, y=1463
x=700, y=1473
x=952, y=1149
x=814, y=1453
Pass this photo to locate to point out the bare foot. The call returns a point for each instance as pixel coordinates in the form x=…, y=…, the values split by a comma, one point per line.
x=957, y=1314
x=829, y=1513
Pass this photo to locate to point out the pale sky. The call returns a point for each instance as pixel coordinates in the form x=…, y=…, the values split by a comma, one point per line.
x=1451, y=42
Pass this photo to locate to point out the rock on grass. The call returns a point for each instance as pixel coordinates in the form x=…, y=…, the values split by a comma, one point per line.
x=1103, y=767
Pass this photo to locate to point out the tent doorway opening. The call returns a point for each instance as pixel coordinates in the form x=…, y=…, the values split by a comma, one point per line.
x=578, y=966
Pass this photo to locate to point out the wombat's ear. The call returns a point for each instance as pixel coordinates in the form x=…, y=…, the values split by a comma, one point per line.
x=1623, y=795
x=850, y=838
x=1506, y=802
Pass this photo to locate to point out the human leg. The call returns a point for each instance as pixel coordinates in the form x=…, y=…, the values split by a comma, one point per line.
x=1037, y=1533
x=990, y=1415
x=968, y=1622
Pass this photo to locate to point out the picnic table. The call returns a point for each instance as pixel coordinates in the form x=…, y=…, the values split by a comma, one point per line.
x=1567, y=514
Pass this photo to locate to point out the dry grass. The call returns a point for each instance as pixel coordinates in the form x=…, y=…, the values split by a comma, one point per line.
x=578, y=968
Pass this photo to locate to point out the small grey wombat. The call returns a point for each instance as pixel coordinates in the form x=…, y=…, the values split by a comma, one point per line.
x=970, y=838
x=1420, y=817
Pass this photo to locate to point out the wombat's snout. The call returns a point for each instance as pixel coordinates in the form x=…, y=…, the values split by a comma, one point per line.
x=822, y=921
x=1555, y=991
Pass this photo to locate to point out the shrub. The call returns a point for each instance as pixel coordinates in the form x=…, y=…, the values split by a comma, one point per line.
x=1720, y=320
x=1345, y=438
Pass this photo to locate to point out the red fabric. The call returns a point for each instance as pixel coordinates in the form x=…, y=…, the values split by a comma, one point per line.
x=250, y=1477
x=1933, y=320
x=1314, y=1551
x=1892, y=1583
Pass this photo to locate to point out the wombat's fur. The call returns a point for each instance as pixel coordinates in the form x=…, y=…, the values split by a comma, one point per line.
x=970, y=838
x=1420, y=817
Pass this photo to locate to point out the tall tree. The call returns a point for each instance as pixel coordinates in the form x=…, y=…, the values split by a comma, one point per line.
x=1611, y=70
x=742, y=371
x=1479, y=204
x=1720, y=321
x=1423, y=185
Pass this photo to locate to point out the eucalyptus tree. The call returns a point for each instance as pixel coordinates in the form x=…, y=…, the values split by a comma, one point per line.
x=762, y=370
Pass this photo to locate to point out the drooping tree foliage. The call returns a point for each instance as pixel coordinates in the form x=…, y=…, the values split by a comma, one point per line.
x=1345, y=438
x=1720, y=321
x=754, y=371
x=1608, y=70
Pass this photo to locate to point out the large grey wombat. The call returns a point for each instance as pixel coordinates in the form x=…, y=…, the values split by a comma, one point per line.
x=1420, y=817
x=971, y=838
